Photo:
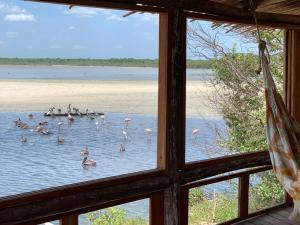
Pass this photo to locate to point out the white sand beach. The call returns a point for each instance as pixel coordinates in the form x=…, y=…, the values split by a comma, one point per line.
x=102, y=96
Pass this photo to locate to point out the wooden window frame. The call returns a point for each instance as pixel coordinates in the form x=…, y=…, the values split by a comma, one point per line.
x=167, y=186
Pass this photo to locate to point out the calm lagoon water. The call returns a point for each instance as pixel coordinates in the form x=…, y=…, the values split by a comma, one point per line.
x=42, y=162
x=91, y=73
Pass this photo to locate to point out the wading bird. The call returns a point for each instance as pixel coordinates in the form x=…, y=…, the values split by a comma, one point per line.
x=148, y=132
x=195, y=132
x=125, y=134
x=70, y=118
x=84, y=152
x=122, y=148
x=60, y=140
x=23, y=140
x=88, y=162
x=50, y=112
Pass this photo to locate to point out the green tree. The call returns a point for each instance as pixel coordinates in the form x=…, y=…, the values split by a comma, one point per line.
x=239, y=94
x=114, y=216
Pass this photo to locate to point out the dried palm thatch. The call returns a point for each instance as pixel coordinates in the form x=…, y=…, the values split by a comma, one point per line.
x=290, y=7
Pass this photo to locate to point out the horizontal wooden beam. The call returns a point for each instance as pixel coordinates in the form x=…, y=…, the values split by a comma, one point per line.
x=226, y=177
x=131, y=5
x=246, y=22
x=209, y=168
x=218, y=9
x=79, y=198
x=195, y=6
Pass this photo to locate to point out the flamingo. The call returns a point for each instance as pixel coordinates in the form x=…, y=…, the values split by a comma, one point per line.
x=195, y=132
x=97, y=125
x=59, y=125
x=125, y=134
x=88, y=162
x=126, y=120
x=148, y=132
x=70, y=118
x=102, y=117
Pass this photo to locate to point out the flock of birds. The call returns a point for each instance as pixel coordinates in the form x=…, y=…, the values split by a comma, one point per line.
x=41, y=128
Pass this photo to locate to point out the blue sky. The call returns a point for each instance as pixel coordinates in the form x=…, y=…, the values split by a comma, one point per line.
x=39, y=30
x=45, y=30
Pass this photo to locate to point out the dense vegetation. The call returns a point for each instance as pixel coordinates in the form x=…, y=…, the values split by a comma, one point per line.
x=239, y=96
x=125, y=62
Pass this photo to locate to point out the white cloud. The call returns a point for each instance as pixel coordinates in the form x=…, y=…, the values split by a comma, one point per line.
x=77, y=47
x=9, y=8
x=84, y=12
x=15, y=13
x=109, y=15
x=11, y=34
x=71, y=28
x=148, y=17
x=20, y=18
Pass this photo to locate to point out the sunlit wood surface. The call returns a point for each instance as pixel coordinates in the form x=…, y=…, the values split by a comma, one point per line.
x=276, y=217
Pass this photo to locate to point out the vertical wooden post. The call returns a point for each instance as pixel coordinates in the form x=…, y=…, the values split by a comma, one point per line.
x=157, y=209
x=184, y=206
x=69, y=220
x=244, y=196
x=162, y=91
x=175, y=112
x=292, y=72
x=292, y=76
x=157, y=201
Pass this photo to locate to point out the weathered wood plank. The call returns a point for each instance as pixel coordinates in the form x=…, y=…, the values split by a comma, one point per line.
x=69, y=220
x=162, y=92
x=213, y=168
x=157, y=216
x=275, y=217
x=243, y=196
x=175, y=111
x=292, y=66
x=203, y=6
x=58, y=204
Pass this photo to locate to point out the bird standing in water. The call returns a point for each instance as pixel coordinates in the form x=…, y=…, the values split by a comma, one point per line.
x=60, y=140
x=23, y=140
x=122, y=148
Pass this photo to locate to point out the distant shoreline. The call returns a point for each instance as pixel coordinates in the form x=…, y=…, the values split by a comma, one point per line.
x=114, y=62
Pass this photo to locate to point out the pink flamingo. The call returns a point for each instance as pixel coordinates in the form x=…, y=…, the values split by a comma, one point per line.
x=70, y=118
x=148, y=132
x=195, y=132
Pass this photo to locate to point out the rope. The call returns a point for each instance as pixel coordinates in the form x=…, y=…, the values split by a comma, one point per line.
x=262, y=45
